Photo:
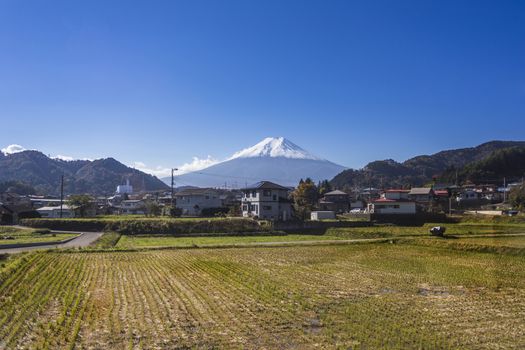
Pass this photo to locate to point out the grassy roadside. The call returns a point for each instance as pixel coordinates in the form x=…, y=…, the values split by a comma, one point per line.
x=14, y=235
x=107, y=241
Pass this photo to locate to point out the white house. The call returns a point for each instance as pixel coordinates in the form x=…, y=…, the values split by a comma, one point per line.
x=392, y=206
x=193, y=200
x=54, y=212
x=394, y=201
x=266, y=200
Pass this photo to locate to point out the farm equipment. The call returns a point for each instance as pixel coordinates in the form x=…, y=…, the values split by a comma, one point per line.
x=438, y=231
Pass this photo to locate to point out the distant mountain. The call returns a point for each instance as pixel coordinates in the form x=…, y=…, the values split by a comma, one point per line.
x=506, y=162
x=274, y=159
x=99, y=177
x=419, y=170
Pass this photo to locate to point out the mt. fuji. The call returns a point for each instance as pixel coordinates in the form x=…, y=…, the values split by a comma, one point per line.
x=274, y=159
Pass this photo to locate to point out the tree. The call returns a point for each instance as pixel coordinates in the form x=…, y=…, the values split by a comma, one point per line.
x=517, y=197
x=305, y=198
x=81, y=202
x=324, y=187
x=153, y=208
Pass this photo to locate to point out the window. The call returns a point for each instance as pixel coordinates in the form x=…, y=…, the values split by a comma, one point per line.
x=274, y=197
x=267, y=207
x=244, y=208
x=267, y=193
x=254, y=194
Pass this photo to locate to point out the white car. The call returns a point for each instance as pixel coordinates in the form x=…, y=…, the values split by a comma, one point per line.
x=355, y=211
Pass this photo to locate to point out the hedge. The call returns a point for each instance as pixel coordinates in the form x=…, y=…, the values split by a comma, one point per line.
x=161, y=226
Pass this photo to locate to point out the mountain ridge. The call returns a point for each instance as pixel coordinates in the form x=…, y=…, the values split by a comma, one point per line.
x=418, y=170
x=98, y=177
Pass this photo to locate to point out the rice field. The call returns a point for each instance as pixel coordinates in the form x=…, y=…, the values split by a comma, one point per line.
x=368, y=296
x=508, y=241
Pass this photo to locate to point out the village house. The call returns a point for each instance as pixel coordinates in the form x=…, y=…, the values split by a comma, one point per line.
x=422, y=195
x=193, y=201
x=54, y=212
x=266, y=200
x=394, y=201
x=336, y=201
x=467, y=195
x=39, y=202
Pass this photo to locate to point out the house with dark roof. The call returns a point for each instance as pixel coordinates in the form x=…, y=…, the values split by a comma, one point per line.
x=266, y=200
x=336, y=201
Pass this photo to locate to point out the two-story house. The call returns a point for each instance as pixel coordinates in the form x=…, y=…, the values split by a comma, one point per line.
x=336, y=201
x=266, y=200
x=193, y=200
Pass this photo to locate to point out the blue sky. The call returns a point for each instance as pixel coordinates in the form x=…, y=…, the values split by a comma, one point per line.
x=161, y=82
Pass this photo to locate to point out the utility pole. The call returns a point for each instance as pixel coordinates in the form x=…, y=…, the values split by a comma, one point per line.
x=172, y=185
x=61, y=194
x=504, y=190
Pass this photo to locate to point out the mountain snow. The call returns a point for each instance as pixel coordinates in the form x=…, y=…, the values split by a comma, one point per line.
x=274, y=159
x=275, y=147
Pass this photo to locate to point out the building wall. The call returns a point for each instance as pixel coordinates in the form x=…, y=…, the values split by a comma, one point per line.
x=395, y=195
x=188, y=203
x=321, y=215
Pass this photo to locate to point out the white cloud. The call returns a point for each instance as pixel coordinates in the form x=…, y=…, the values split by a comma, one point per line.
x=197, y=164
x=159, y=171
x=13, y=149
x=61, y=157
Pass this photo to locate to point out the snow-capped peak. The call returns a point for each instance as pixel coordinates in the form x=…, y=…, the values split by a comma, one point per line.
x=275, y=147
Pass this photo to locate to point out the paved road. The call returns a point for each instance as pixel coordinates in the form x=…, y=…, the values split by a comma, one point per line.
x=85, y=239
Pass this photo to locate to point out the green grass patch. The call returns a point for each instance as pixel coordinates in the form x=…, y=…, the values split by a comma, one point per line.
x=107, y=241
x=135, y=242
x=14, y=235
x=161, y=226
